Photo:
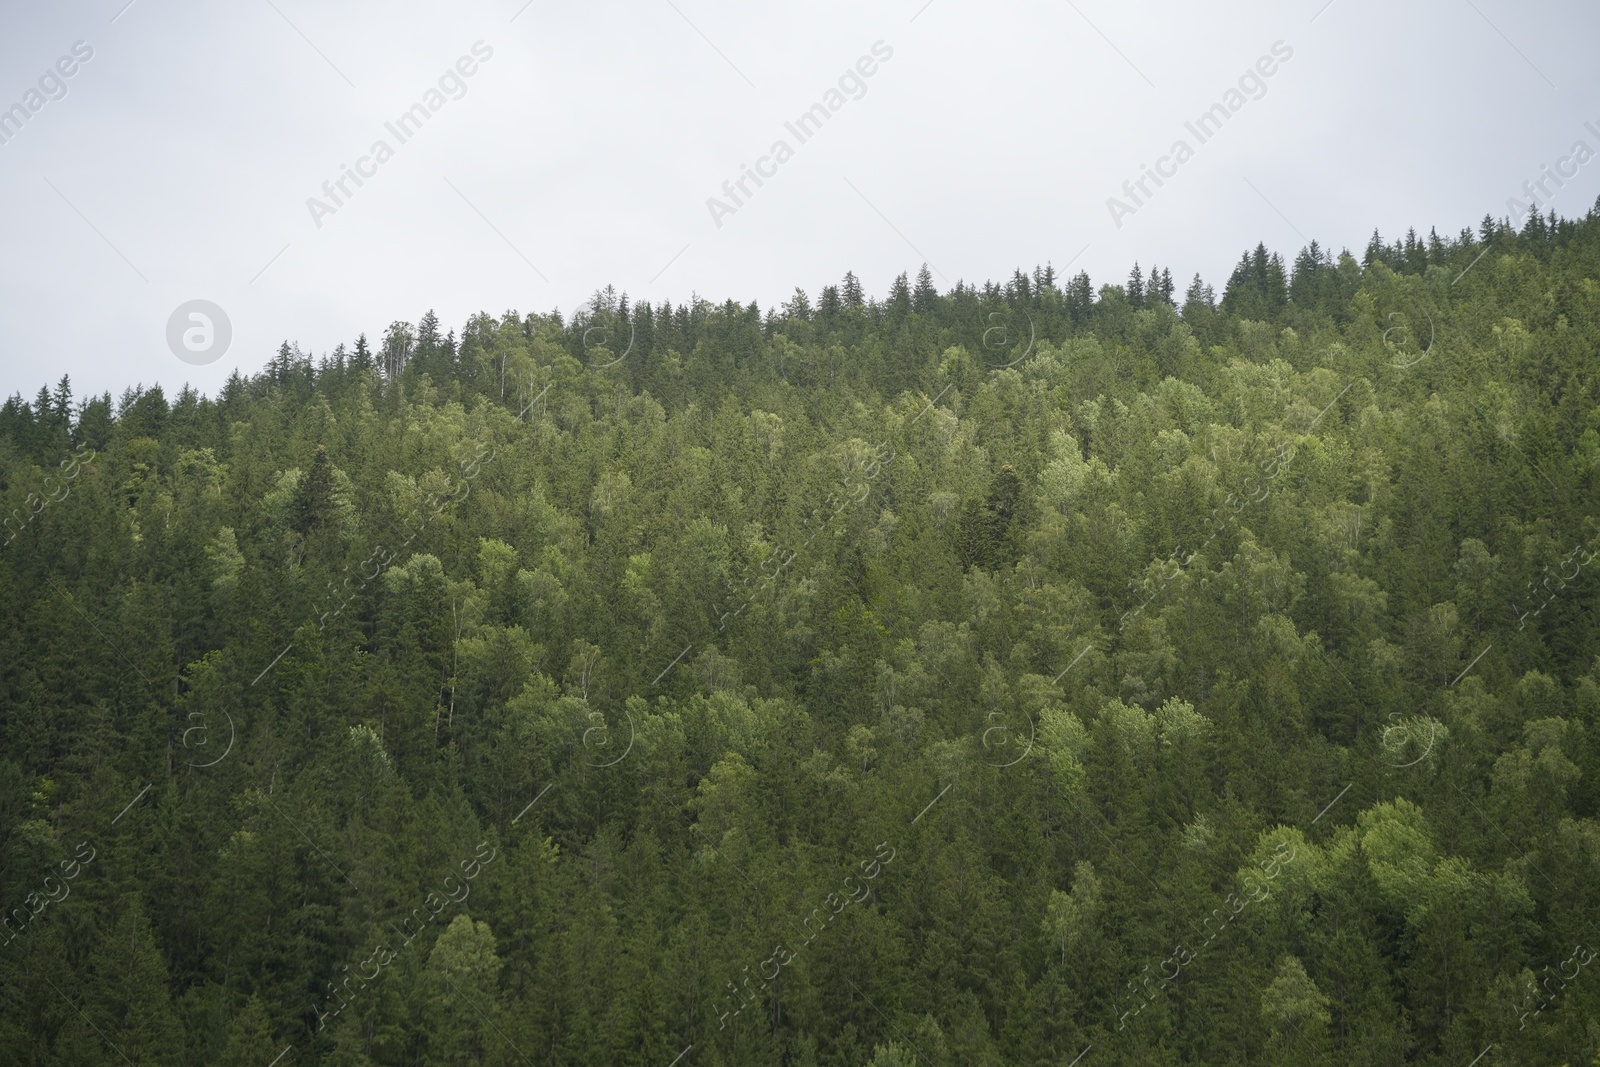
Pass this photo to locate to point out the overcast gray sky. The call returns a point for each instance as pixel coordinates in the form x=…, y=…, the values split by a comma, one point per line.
x=582, y=151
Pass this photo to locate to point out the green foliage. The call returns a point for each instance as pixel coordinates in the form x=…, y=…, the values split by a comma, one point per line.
x=967, y=677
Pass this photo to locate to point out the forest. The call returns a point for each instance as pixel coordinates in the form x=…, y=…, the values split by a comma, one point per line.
x=1029, y=673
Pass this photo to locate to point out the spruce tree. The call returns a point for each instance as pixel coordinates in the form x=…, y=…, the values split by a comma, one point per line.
x=313, y=501
x=925, y=294
x=850, y=291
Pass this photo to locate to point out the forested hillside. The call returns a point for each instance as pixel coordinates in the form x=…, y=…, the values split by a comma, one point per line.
x=1000, y=675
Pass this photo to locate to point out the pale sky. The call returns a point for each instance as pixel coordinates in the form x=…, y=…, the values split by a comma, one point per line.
x=582, y=151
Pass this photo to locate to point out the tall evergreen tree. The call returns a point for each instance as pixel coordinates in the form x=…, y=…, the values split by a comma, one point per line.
x=850, y=290
x=925, y=296
x=313, y=502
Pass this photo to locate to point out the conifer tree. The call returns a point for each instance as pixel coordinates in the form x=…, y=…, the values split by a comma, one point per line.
x=850, y=290
x=313, y=502
x=925, y=295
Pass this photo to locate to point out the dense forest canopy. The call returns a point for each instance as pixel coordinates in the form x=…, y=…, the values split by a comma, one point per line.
x=994, y=676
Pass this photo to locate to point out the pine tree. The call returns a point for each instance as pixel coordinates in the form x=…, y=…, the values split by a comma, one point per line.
x=427, y=332
x=281, y=366
x=1020, y=289
x=828, y=303
x=1415, y=253
x=1305, y=280
x=1045, y=280
x=850, y=290
x=898, y=306
x=464, y=1005
x=61, y=401
x=798, y=306
x=1377, y=251
x=925, y=294
x=313, y=502
x=429, y=355
x=127, y=998
x=1159, y=289
x=1257, y=289
x=94, y=424
x=1080, y=298
x=249, y=1035
x=1436, y=245
x=984, y=537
